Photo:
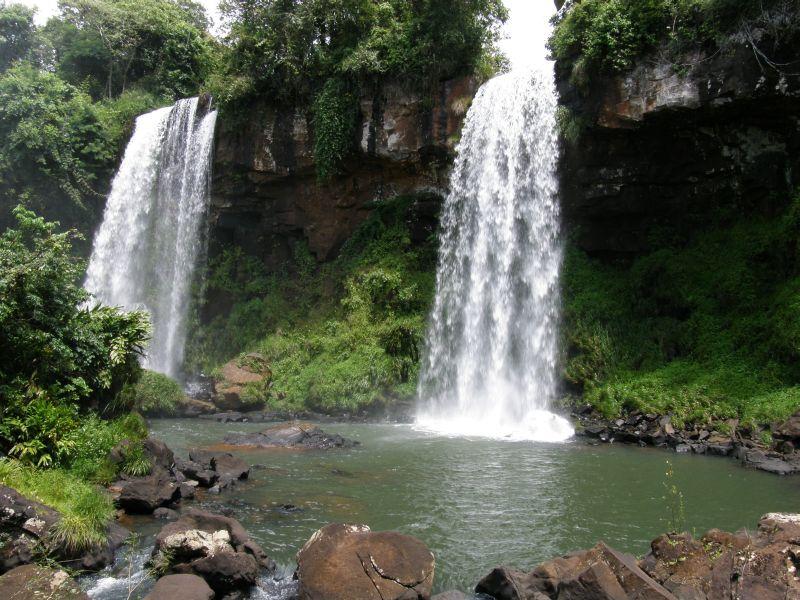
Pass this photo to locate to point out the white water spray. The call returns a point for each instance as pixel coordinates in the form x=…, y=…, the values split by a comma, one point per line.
x=490, y=363
x=147, y=247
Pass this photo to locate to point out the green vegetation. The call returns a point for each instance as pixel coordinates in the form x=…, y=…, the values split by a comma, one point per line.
x=705, y=328
x=57, y=358
x=153, y=394
x=85, y=510
x=338, y=336
x=597, y=37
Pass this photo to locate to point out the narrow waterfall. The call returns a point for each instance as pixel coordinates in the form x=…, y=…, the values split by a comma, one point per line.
x=490, y=362
x=147, y=247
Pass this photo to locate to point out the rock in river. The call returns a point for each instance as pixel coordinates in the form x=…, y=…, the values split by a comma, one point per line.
x=291, y=435
x=343, y=562
x=213, y=547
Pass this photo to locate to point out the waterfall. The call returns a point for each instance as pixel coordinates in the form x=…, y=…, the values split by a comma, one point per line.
x=490, y=362
x=147, y=247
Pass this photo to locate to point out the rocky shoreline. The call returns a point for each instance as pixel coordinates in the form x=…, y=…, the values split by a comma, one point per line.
x=728, y=439
x=200, y=555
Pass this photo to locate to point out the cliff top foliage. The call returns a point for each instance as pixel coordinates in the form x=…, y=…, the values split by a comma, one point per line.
x=602, y=37
x=71, y=89
x=320, y=53
x=288, y=50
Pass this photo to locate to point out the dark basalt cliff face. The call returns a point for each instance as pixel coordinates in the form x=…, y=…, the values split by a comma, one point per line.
x=265, y=194
x=663, y=147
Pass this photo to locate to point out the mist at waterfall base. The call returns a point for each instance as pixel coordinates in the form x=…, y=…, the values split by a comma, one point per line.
x=490, y=362
x=146, y=250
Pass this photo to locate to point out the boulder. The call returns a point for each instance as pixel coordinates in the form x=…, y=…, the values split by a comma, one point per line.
x=342, y=562
x=236, y=374
x=291, y=435
x=789, y=429
x=167, y=514
x=33, y=582
x=27, y=524
x=601, y=573
x=213, y=547
x=180, y=587
x=142, y=495
x=201, y=473
x=509, y=584
x=227, y=465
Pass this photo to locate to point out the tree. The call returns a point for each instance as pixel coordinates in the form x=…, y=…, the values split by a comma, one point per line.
x=17, y=33
x=158, y=43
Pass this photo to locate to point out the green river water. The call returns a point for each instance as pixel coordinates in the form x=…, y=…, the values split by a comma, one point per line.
x=476, y=503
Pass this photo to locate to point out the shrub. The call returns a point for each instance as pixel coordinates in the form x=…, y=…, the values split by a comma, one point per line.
x=93, y=441
x=335, y=112
x=153, y=394
x=596, y=37
x=355, y=344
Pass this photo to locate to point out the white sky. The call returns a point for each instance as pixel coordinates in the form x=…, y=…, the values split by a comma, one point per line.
x=527, y=29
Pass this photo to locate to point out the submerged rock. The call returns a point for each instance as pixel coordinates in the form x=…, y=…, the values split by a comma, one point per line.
x=291, y=435
x=213, y=547
x=343, y=562
x=181, y=587
x=34, y=582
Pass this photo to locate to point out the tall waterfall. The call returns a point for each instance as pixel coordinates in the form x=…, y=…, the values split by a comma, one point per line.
x=490, y=363
x=147, y=247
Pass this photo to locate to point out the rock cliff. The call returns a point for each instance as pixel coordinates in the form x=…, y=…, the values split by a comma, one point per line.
x=265, y=193
x=666, y=143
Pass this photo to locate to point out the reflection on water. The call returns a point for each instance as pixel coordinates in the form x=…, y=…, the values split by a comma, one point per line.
x=476, y=503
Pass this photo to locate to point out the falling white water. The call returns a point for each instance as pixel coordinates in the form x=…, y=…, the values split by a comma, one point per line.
x=146, y=250
x=490, y=361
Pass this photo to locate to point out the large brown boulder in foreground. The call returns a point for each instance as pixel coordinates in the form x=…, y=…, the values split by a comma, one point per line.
x=344, y=562
x=718, y=566
x=213, y=547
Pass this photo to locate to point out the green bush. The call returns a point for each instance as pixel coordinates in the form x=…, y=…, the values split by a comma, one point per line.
x=57, y=358
x=275, y=48
x=153, y=394
x=92, y=441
